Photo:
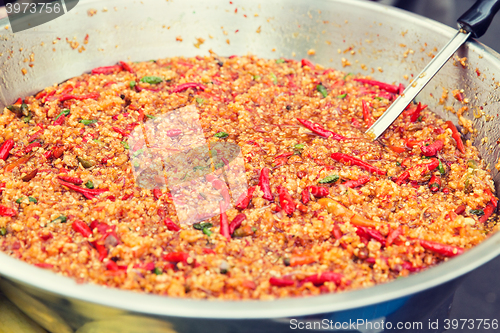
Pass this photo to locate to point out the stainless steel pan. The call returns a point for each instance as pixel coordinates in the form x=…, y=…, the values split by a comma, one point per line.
x=384, y=42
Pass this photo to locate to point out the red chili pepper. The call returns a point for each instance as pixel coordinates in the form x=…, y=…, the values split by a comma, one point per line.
x=6, y=148
x=274, y=281
x=6, y=211
x=401, y=88
x=30, y=147
x=459, y=96
x=319, y=279
x=19, y=101
x=2, y=187
x=318, y=129
x=412, y=143
x=367, y=116
x=106, y=69
x=185, y=86
x=488, y=211
x=307, y=63
x=306, y=196
x=208, y=251
x=416, y=113
x=224, y=223
x=126, y=66
x=456, y=135
x=157, y=193
x=222, y=187
x=425, y=167
x=319, y=191
x=176, y=256
x=396, y=149
x=444, y=249
x=287, y=203
x=433, y=148
x=460, y=209
x=101, y=250
x=384, y=86
x=112, y=266
x=435, y=183
x=47, y=154
x=336, y=232
x=120, y=131
x=35, y=135
x=141, y=116
x=236, y=222
x=88, y=193
x=72, y=180
x=393, y=235
x=41, y=94
x=351, y=160
x=66, y=97
x=171, y=225
x=60, y=120
x=264, y=184
x=127, y=196
x=44, y=265
x=358, y=182
x=81, y=227
x=493, y=199
x=11, y=166
x=244, y=199
x=174, y=132
x=370, y=233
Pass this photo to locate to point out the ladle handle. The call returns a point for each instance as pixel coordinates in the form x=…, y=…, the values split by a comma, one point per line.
x=478, y=18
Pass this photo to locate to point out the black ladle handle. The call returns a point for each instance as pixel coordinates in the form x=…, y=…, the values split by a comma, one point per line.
x=478, y=18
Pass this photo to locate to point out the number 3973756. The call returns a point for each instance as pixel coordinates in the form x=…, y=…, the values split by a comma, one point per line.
x=18, y=8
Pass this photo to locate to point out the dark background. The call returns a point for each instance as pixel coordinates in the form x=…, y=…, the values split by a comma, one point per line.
x=479, y=295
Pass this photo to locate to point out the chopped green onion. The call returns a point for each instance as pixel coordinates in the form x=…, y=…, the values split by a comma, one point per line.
x=275, y=79
x=321, y=88
x=152, y=79
x=132, y=84
x=299, y=146
x=125, y=144
x=19, y=200
x=202, y=225
x=136, y=163
x=256, y=77
x=280, y=61
x=27, y=119
x=88, y=121
x=150, y=116
x=379, y=98
x=200, y=100
x=347, y=75
x=89, y=184
x=158, y=271
x=472, y=164
x=63, y=112
x=138, y=152
x=85, y=163
x=3, y=231
x=329, y=179
x=478, y=212
x=99, y=142
x=221, y=135
x=341, y=96
x=31, y=199
x=60, y=219
x=419, y=118
x=398, y=164
x=441, y=168
x=198, y=167
x=219, y=165
x=207, y=231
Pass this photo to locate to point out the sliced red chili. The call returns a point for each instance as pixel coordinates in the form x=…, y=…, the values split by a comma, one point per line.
x=287, y=203
x=236, y=222
x=456, y=135
x=358, y=182
x=72, y=180
x=274, y=281
x=245, y=198
x=367, y=116
x=81, y=227
x=384, y=86
x=185, y=86
x=6, y=148
x=264, y=184
x=351, y=160
x=171, y=225
x=318, y=129
x=106, y=69
x=444, y=249
x=433, y=148
x=6, y=211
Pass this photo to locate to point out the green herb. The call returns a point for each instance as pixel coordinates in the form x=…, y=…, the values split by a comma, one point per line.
x=136, y=164
x=213, y=152
x=88, y=121
x=286, y=261
x=441, y=168
x=199, y=100
x=419, y=118
x=31, y=199
x=138, y=152
x=198, y=167
x=379, y=98
x=280, y=61
x=152, y=79
x=99, y=142
x=158, y=271
x=3, y=231
x=256, y=77
x=63, y=112
x=185, y=176
x=125, y=144
x=341, y=96
x=19, y=110
x=347, y=75
x=472, y=164
x=204, y=226
x=254, y=229
x=478, y=212
x=132, y=84
x=398, y=164
x=60, y=219
x=28, y=118
x=321, y=88
x=425, y=157
x=221, y=135
x=219, y=165
x=207, y=232
x=274, y=78
x=19, y=200
x=89, y=184
x=85, y=163
x=150, y=116
x=299, y=146
x=329, y=179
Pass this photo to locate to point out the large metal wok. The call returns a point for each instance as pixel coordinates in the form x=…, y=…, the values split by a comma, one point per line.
x=384, y=42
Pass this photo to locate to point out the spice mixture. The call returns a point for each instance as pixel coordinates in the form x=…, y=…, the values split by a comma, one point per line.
x=321, y=209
